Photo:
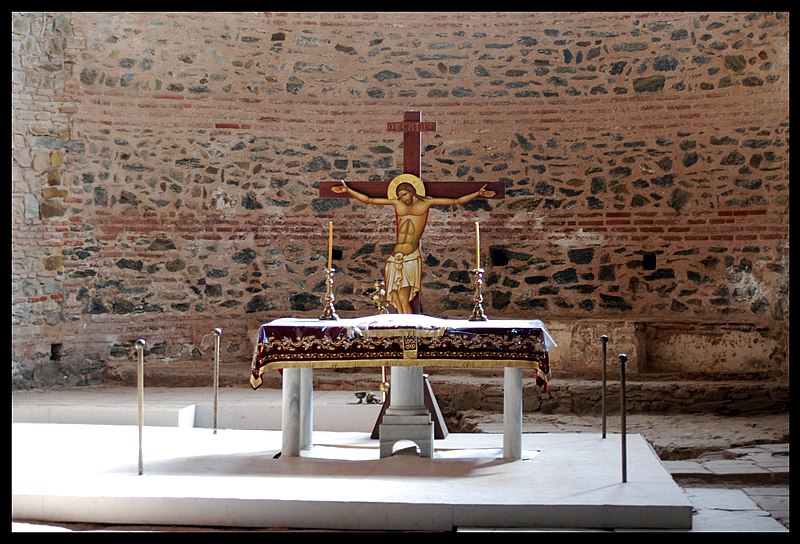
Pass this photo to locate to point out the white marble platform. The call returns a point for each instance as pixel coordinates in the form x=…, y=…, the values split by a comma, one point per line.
x=195, y=477
x=87, y=472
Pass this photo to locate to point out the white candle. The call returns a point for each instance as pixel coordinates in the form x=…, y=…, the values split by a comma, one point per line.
x=330, y=243
x=478, y=245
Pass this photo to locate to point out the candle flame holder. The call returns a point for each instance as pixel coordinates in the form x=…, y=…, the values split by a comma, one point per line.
x=329, y=312
x=477, y=301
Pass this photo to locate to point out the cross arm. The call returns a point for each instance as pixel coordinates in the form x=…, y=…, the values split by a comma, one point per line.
x=435, y=189
x=373, y=189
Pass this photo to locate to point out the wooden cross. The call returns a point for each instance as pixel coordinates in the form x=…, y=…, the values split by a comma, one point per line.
x=412, y=128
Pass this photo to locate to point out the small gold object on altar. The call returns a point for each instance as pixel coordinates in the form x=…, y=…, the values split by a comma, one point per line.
x=329, y=312
x=378, y=296
x=477, y=301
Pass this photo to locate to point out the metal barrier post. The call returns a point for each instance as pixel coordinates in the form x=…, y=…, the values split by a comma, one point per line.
x=217, y=334
x=604, y=339
x=622, y=360
x=140, y=344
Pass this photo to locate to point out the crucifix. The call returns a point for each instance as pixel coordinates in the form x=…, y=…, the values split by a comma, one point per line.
x=412, y=198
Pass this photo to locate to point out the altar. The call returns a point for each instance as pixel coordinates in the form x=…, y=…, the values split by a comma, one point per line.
x=405, y=342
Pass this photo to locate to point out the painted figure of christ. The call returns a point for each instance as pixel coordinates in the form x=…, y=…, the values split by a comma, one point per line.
x=403, y=269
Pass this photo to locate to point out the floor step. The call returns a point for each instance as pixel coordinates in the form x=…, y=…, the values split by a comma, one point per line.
x=236, y=408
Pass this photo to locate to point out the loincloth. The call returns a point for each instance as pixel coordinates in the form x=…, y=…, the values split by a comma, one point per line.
x=404, y=271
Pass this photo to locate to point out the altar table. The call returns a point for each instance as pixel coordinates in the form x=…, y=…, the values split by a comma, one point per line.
x=297, y=346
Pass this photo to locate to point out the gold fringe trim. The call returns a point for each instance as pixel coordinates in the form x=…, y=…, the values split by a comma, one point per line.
x=256, y=382
x=393, y=333
x=373, y=363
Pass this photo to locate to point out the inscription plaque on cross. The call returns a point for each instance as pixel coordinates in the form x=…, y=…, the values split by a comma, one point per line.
x=411, y=208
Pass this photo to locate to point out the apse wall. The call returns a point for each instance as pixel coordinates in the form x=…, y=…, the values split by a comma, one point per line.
x=165, y=174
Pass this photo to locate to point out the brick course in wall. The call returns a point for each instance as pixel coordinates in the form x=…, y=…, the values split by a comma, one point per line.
x=165, y=172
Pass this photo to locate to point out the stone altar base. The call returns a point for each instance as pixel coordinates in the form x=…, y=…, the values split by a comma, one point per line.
x=417, y=429
x=195, y=477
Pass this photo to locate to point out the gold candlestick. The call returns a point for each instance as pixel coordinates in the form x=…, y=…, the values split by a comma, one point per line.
x=477, y=301
x=329, y=312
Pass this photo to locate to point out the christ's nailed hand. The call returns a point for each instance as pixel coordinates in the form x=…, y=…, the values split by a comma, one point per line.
x=484, y=192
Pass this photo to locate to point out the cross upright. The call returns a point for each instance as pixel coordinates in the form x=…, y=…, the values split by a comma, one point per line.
x=412, y=128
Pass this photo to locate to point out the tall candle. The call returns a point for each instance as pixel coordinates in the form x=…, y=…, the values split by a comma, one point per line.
x=330, y=243
x=478, y=245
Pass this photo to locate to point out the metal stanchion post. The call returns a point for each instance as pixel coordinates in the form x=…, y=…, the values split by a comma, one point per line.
x=604, y=339
x=623, y=433
x=140, y=344
x=217, y=334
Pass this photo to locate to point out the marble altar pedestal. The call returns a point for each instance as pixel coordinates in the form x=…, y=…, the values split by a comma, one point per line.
x=407, y=417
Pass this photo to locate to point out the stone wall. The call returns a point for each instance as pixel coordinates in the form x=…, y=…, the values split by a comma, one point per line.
x=166, y=168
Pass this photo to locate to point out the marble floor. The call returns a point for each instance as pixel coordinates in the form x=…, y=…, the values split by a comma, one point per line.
x=196, y=476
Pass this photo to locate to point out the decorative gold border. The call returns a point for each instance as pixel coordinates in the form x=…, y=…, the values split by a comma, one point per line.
x=308, y=342
x=488, y=343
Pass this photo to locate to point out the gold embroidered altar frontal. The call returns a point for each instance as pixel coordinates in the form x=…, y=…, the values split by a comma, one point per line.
x=402, y=340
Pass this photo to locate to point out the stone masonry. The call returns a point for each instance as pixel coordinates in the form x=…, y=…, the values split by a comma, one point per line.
x=165, y=173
